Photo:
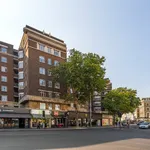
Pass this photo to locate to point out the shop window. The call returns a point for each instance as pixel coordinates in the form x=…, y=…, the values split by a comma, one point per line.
x=42, y=106
x=50, y=106
x=57, y=107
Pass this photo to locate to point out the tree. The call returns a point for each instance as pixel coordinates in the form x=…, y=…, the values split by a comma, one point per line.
x=82, y=74
x=120, y=101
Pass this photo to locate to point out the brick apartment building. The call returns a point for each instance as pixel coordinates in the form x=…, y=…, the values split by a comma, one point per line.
x=8, y=75
x=38, y=52
x=26, y=81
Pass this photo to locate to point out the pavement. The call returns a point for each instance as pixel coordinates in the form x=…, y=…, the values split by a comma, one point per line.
x=54, y=129
x=89, y=139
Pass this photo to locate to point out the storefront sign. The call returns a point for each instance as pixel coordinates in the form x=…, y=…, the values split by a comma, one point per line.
x=6, y=110
x=36, y=111
x=55, y=113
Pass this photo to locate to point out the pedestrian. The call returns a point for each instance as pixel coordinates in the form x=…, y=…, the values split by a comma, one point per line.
x=128, y=124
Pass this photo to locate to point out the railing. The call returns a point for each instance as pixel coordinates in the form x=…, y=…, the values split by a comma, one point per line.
x=16, y=84
x=16, y=94
x=15, y=75
x=15, y=66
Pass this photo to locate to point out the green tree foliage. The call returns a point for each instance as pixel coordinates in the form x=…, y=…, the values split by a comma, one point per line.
x=121, y=100
x=82, y=73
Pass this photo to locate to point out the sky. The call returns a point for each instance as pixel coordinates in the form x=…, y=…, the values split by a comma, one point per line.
x=116, y=29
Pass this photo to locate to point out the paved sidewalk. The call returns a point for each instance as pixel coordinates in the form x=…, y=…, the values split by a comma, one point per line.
x=55, y=129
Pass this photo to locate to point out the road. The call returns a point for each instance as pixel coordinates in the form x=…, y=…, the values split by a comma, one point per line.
x=83, y=139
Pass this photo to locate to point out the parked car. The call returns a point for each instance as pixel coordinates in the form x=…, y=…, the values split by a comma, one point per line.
x=144, y=125
x=124, y=123
x=140, y=122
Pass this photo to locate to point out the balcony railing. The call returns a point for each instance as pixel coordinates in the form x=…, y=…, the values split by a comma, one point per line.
x=16, y=85
x=16, y=66
x=15, y=75
x=16, y=94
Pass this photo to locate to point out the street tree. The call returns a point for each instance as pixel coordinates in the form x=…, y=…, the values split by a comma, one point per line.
x=120, y=101
x=82, y=73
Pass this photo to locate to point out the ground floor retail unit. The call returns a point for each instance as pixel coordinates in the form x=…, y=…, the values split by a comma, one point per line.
x=14, y=117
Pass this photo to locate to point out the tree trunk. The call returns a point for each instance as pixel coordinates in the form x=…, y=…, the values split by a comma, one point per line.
x=77, y=114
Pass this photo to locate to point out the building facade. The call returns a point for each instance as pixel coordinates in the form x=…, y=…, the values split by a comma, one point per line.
x=38, y=53
x=8, y=75
x=97, y=106
x=143, y=112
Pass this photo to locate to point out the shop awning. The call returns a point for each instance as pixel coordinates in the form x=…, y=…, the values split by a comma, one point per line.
x=9, y=115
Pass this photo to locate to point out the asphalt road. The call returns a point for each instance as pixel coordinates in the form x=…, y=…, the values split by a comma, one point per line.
x=88, y=139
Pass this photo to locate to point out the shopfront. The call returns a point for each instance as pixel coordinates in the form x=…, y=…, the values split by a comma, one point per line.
x=107, y=120
x=59, y=119
x=14, y=117
x=42, y=117
x=82, y=118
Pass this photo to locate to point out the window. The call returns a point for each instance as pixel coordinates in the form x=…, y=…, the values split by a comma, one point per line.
x=21, y=75
x=42, y=70
x=56, y=53
x=43, y=94
x=56, y=63
x=57, y=95
x=3, y=78
x=42, y=82
x=41, y=59
x=49, y=73
x=49, y=50
x=4, y=59
x=4, y=50
x=21, y=85
x=49, y=61
x=21, y=95
x=50, y=94
x=41, y=47
x=50, y=106
x=49, y=83
x=4, y=88
x=42, y=106
x=4, y=98
x=57, y=107
x=72, y=105
x=147, y=115
x=20, y=53
x=57, y=85
x=147, y=109
x=3, y=69
x=20, y=64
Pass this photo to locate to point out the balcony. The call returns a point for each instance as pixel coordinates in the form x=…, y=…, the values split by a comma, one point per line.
x=16, y=94
x=16, y=75
x=16, y=66
x=16, y=85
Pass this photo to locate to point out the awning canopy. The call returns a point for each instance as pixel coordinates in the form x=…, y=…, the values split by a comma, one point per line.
x=11, y=115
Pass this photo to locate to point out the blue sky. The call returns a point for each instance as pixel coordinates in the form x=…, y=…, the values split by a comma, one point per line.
x=116, y=29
